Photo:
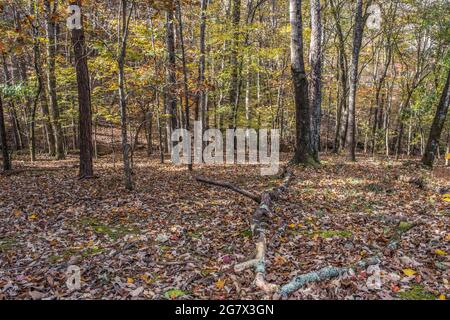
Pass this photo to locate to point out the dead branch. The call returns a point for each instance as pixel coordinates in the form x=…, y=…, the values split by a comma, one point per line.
x=260, y=219
x=230, y=186
x=259, y=222
x=321, y=275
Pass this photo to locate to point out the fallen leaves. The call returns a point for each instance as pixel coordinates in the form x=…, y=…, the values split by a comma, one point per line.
x=32, y=216
x=174, y=293
x=409, y=272
x=220, y=284
x=174, y=239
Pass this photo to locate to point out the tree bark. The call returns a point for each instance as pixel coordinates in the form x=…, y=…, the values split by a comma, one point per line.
x=185, y=76
x=342, y=110
x=148, y=132
x=171, y=99
x=233, y=93
x=437, y=126
x=303, y=152
x=201, y=99
x=122, y=94
x=86, y=169
x=51, y=76
x=357, y=42
x=316, y=77
x=3, y=140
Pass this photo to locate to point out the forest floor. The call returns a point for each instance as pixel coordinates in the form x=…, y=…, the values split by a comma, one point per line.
x=176, y=238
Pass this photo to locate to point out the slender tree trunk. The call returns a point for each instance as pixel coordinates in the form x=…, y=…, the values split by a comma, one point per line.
x=400, y=125
x=50, y=134
x=233, y=93
x=12, y=110
x=303, y=152
x=148, y=131
x=84, y=102
x=185, y=76
x=437, y=126
x=201, y=98
x=3, y=140
x=357, y=42
x=122, y=94
x=171, y=99
x=51, y=76
x=316, y=76
x=160, y=135
x=38, y=71
x=342, y=111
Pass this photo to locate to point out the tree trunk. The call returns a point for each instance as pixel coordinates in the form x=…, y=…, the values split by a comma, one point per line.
x=148, y=131
x=185, y=77
x=357, y=41
x=171, y=100
x=201, y=99
x=316, y=76
x=437, y=126
x=4, y=143
x=51, y=77
x=342, y=111
x=122, y=94
x=233, y=93
x=84, y=102
x=12, y=110
x=303, y=152
x=38, y=71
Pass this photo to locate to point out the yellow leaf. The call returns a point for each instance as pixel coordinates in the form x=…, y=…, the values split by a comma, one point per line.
x=220, y=284
x=130, y=280
x=442, y=297
x=409, y=272
x=440, y=252
x=447, y=237
x=33, y=216
x=447, y=156
x=446, y=197
x=292, y=225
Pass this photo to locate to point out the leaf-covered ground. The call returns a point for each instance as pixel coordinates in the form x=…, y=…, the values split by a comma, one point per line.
x=178, y=239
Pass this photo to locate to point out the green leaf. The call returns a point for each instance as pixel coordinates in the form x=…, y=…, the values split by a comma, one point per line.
x=174, y=293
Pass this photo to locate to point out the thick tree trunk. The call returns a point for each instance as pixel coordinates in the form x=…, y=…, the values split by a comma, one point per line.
x=84, y=102
x=357, y=42
x=51, y=76
x=437, y=126
x=316, y=76
x=303, y=152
